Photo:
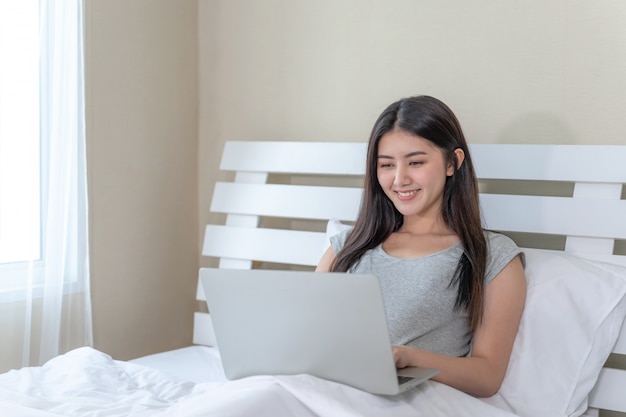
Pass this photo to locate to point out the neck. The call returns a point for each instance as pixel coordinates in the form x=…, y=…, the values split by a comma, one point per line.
x=425, y=225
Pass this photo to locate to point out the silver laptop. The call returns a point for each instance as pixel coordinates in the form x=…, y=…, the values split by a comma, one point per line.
x=329, y=325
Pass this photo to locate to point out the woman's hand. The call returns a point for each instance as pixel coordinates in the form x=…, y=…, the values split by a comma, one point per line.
x=405, y=356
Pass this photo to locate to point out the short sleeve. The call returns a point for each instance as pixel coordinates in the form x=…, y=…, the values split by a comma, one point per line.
x=502, y=250
x=338, y=240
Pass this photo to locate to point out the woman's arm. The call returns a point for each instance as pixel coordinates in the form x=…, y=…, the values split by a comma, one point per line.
x=327, y=260
x=482, y=372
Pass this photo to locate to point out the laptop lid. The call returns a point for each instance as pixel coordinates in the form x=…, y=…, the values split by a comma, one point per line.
x=330, y=325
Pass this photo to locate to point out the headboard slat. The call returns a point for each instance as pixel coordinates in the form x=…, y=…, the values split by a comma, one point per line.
x=554, y=215
x=608, y=393
x=571, y=163
x=268, y=245
x=326, y=158
x=533, y=214
x=293, y=201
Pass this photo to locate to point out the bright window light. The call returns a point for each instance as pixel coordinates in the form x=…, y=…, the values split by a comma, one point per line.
x=20, y=196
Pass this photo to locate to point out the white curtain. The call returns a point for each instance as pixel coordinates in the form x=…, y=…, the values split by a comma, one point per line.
x=66, y=310
x=58, y=306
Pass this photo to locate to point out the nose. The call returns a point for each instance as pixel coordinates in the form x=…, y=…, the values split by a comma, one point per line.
x=401, y=176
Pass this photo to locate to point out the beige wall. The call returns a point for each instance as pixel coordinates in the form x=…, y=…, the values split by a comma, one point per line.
x=161, y=97
x=142, y=95
x=532, y=71
x=514, y=72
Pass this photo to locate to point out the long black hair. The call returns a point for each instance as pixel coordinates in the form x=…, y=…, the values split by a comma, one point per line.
x=431, y=119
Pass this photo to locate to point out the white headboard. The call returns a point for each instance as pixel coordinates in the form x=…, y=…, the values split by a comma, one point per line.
x=556, y=197
x=595, y=174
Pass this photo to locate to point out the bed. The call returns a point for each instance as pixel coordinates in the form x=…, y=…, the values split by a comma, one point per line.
x=564, y=204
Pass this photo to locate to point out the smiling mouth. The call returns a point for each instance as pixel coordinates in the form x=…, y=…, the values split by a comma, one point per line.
x=406, y=195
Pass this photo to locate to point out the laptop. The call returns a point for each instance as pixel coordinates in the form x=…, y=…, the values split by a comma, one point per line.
x=330, y=325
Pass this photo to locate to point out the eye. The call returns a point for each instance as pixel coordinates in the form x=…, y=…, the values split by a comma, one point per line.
x=416, y=163
x=385, y=163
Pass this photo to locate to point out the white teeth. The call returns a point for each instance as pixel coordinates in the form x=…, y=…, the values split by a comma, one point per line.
x=405, y=193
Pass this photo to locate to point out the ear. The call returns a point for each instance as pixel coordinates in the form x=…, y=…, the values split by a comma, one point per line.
x=460, y=157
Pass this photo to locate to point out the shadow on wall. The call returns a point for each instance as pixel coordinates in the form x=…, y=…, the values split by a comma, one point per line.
x=537, y=128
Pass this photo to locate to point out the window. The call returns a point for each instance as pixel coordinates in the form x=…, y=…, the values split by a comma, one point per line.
x=44, y=263
x=20, y=185
x=43, y=241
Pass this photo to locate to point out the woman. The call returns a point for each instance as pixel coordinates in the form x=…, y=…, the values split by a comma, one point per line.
x=454, y=292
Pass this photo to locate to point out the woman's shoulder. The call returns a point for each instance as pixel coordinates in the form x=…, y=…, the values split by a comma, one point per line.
x=498, y=238
x=501, y=250
x=338, y=235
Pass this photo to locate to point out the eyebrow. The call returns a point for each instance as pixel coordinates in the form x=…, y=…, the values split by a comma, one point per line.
x=408, y=155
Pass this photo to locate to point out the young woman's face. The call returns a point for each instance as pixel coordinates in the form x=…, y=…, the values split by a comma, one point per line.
x=412, y=172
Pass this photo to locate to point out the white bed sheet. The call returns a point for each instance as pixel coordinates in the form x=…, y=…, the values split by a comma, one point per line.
x=194, y=363
x=87, y=382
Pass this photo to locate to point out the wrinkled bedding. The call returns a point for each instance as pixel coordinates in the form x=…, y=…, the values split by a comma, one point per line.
x=87, y=382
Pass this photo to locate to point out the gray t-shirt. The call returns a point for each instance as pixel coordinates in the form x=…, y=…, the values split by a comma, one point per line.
x=418, y=298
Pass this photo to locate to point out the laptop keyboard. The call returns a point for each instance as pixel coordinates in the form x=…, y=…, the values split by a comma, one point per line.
x=403, y=379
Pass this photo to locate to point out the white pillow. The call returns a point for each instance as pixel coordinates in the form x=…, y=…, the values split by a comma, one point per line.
x=573, y=314
x=333, y=227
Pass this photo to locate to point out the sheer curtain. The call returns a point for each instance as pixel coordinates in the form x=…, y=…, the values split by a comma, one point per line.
x=66, y=310
x=58, y=306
